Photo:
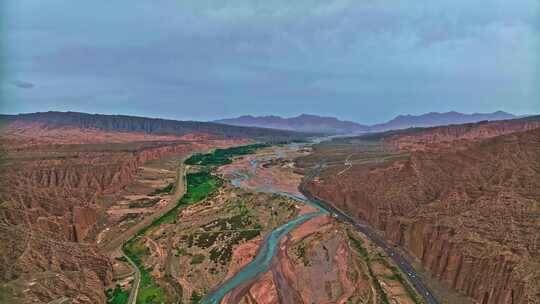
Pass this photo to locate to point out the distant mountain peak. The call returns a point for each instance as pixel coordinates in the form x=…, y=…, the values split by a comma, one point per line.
x=303, y=122
x=331, y=125
x=432, y=119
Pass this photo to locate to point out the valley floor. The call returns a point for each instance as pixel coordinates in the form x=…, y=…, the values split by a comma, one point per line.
x=235, y=200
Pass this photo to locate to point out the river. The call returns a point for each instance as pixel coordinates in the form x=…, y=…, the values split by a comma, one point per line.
x=262, y=261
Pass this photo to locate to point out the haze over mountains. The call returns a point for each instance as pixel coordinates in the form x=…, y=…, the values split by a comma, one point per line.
x=301, y=123
x=332, y=125
x=154, y=126
x=91, y=181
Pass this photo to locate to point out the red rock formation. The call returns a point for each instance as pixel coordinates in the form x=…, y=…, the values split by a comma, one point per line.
x=469, y=213
x=322, y=274
x=51, y=201
x=447, y=135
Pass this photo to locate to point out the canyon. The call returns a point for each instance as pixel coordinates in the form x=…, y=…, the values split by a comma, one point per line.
x=55, y=179
x=461, y=200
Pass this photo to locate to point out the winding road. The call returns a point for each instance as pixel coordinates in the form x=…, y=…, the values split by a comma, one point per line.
x=399, y=260
x=116, y=243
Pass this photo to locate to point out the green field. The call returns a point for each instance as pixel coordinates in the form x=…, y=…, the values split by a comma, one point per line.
x=222, y=156
x=117, y=295
x=199, y=186
x=167, y=189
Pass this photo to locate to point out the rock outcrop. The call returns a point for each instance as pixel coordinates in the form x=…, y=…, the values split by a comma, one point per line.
x=51, y=200
x=314, y=264
x=445, y=136
x=469, y=211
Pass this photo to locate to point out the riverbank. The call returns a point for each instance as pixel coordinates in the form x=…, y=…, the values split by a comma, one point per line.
x=200, y=183
x=347, y=265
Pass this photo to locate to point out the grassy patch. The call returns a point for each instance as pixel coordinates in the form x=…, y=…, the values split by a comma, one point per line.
x=362, y=251
x=222, y=156
x=197, y=259
x=149, y=291
x=301, y=254
x=199, y=186
x=395, y=276
x=195, y=298
x=408, y=288
x=223, y=255
x=359, y=247
x=117, y=295
x=167, y=189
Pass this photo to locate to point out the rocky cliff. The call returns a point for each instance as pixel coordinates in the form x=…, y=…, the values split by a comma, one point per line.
x=51, y=200
x=467, y=211
x=153, y=126
x=314, y=264
x=447, y=135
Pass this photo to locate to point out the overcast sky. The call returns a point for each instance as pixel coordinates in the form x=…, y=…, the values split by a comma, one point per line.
x=363, y=60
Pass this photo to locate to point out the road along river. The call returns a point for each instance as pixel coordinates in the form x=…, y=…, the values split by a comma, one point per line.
x=263, y=259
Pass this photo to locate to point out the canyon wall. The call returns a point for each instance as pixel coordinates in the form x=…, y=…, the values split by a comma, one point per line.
x=445, y=136
x=50, y=202
x=468, y=212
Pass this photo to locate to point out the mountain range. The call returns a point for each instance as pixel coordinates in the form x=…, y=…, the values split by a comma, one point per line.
x=156, y=126
x=433, y=119
x=301, y=123
x=332, y=125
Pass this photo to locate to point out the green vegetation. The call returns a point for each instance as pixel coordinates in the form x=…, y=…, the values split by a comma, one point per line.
x=167, y=189
x=197, y=259
x=231, y=231
x=199, y=185
x=149, y=291
x=242, y=208
x=395, y=276
x=181, y=252
x=224, y=255
x=195, y=298
x=222, y=156
x=301, y=254
x=117, y=295
x=121, y=259
x=359, y=247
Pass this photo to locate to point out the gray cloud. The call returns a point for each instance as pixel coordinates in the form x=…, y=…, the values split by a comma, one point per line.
x=22, y=84
x=361, y=60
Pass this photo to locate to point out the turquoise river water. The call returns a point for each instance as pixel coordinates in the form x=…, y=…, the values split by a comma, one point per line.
x=261, y=263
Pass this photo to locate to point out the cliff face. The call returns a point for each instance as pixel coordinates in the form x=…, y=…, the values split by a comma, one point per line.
x=447, y=135
x=51, y=200
x=314, y=264
x=438, y=119
x=467, y=211
x=153, y=126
